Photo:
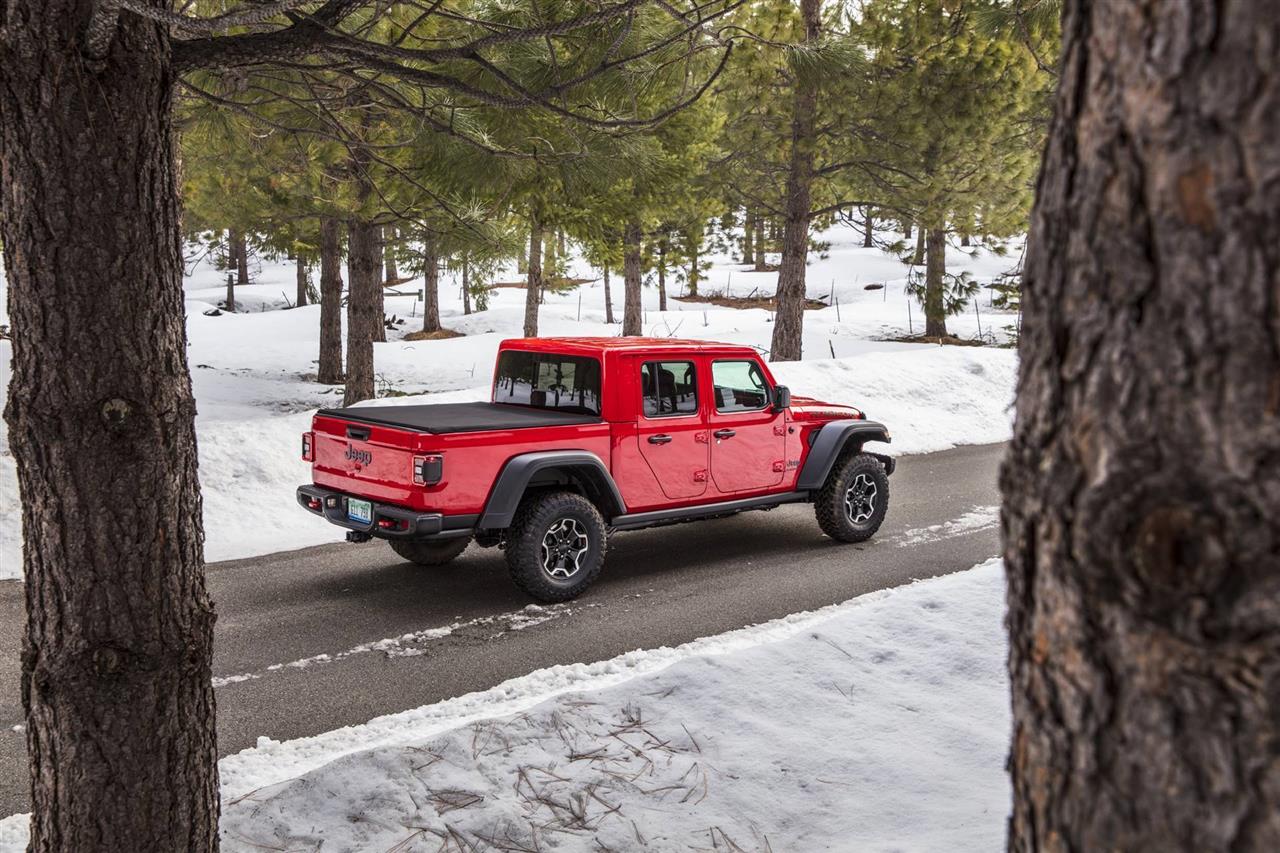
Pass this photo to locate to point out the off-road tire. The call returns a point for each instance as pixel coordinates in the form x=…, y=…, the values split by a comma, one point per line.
x=430, y=552
x=834, y=516
x=533, y=525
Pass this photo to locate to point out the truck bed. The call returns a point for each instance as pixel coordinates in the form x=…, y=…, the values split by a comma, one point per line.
x=459, y=417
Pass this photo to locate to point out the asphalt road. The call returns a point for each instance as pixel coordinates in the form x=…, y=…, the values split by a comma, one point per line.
x=659, y=587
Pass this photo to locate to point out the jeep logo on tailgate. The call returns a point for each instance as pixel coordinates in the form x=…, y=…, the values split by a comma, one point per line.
x=364, y=457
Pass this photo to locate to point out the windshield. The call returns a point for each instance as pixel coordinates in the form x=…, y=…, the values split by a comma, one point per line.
x=565, y=383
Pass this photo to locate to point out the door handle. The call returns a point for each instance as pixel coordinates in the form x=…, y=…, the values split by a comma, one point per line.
x=659, y=439
x=724, y=433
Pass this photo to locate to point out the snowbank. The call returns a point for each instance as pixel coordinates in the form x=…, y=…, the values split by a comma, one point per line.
x=880, y=723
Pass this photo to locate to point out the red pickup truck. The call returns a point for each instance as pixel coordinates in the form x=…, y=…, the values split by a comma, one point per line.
x=586, y=436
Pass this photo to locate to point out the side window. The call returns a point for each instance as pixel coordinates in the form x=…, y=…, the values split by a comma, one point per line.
x=740, y=386
x=669, y=388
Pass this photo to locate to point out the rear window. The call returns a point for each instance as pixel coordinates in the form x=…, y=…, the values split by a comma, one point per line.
x=565, y=383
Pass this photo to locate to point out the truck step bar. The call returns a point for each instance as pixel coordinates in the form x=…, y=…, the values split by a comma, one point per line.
x=640, y=520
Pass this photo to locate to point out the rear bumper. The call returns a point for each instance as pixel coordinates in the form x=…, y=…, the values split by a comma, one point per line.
x=400, y=523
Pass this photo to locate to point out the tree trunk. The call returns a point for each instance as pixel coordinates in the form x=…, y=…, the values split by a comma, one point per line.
x=466, y=285
x=430, y=284
x=964, y=240
x=391, y=243
x=302, y=280
x=242, y=257
x=662, y=273
x=1142, y=541
x=748, y=244
x=918, y=258
x=631, y=279
x=548, y=264
x=380, y=250
x=762, y=262
x=935, y=312
x=868, y=230
x=364, y=312
x=608, y=298
x=119, y=630
x=560, y=243
x=230, y=301
x=789, y=320
x=694, y=247
x=330, y=368
x=906, y=230
x=533, y=286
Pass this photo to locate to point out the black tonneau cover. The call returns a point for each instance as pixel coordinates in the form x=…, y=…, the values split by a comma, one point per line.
x=459, y=417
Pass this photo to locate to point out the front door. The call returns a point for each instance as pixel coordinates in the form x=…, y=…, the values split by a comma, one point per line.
x=672, y=436
x=748, y=438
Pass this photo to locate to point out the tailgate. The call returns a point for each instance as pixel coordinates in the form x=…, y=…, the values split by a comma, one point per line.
x=364, y=459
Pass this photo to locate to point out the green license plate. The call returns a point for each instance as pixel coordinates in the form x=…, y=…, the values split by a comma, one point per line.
x=361, y=511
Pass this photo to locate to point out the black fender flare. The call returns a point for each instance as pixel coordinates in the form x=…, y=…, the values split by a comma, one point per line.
x=520, y=470
x=831, y=440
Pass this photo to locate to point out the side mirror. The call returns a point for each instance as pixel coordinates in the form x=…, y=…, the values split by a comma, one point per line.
x=781, y=396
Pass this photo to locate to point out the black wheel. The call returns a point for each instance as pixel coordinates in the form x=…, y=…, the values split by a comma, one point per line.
x=852, y=503
x=555, y=545
x=430, y=552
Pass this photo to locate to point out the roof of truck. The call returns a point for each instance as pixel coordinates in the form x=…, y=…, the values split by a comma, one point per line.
x=633, y=344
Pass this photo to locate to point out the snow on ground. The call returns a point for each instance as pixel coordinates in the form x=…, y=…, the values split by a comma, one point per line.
x=253, y=372
x=899, y=744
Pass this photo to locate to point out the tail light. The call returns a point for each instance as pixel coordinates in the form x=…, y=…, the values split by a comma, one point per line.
x=308, y=447
x=428, y=470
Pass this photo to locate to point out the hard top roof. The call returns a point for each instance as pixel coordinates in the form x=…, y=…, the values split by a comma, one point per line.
x=586, y=345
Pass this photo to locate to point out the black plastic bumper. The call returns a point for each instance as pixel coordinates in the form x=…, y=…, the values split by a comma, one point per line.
x=407, y=523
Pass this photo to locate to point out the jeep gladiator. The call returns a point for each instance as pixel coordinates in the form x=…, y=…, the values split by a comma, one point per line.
x=584, y=437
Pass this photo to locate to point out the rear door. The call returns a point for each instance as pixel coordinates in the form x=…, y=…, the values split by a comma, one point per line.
x=748, y=438
x=670, y=428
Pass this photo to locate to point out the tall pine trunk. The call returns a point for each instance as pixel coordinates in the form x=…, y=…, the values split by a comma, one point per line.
x=391, y=243
x=918, y=257
x=230, y=300
x=788, y=322
x=466, y=284
x=533, y=285
x=330, y=368
x=631, y=279
x=364, y=311
x=694, y=247
x=762, y=261
x=302, y=280
x=608, y=297
x=119, y=629
x=242, y=257
x=748, y=242
x=906, y=230
x=662, y=273
x=1142, y=537
x=935, y=271
x=380, y=249
x=868, y=229
x=430, y=283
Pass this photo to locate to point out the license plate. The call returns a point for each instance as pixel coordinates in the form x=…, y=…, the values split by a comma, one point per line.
x=361, y=511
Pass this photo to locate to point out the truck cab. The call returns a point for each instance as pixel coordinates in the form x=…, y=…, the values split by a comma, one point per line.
x=617, y=433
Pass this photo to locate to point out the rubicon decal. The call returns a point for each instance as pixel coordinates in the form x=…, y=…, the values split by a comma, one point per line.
x=364, y=457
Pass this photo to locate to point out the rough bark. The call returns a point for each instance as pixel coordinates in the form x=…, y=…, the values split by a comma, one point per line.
x=788, y=321
x=631, y=279
x=330, y=367
x=748, y=242
x=608, y=298
x=119, y=630
x=533, y=284
x=242, y=256
x=868, y=230
x=935, y=312
x=918, y=258
x=1142, y=538
x=430, y=284
x=380, y=330
x=303, y=279
x=364, y=309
